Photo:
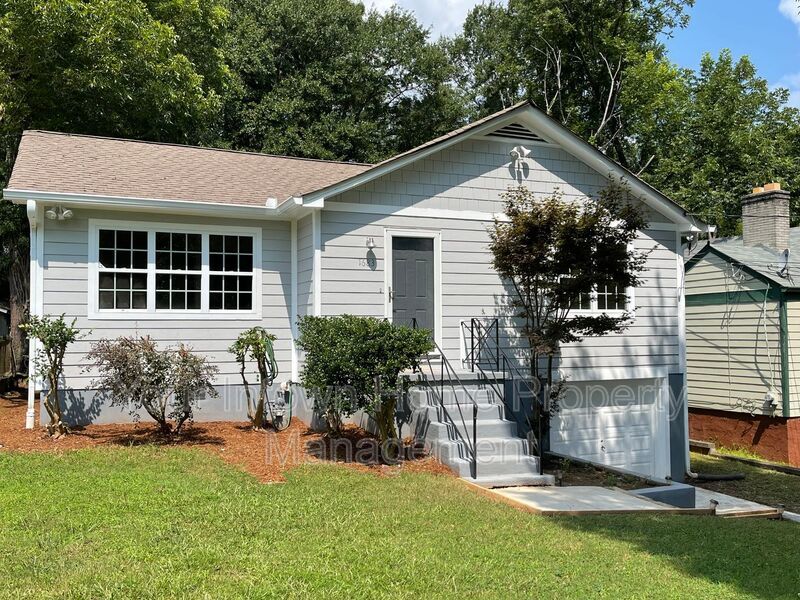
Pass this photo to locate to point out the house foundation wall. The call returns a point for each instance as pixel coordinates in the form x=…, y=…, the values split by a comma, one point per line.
x=774, y=438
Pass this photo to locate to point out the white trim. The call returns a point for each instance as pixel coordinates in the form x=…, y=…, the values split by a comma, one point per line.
x=436, y=236
x=94, y=313
x=580, y=374
x=444, y=213
x=316, y=236
x=293, y=308
x=542, y=125
x=33, y=276
x=681, y=302
x=661, y=430
x=137, y=204
x=410, y=211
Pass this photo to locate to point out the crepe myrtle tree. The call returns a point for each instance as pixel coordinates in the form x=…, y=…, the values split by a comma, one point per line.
x=54, y=335
x=166, y=384
x=554, y=254
x=256, y=344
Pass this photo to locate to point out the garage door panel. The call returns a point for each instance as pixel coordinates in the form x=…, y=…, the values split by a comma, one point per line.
x=594, y=425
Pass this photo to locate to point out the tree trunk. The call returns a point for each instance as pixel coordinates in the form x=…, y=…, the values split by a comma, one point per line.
x=18, y=300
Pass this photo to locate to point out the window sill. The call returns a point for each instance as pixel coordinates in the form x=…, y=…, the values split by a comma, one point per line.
x=122, y=315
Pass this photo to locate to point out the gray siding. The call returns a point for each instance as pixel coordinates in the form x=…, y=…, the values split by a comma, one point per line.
x=479, y=172
x=732, y=339
x=471, y=175
x=305, y=267
x=66, y=291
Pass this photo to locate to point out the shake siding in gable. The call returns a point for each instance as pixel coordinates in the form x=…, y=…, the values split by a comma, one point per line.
x=66, y=291
x=470, y=287
x=471, y=176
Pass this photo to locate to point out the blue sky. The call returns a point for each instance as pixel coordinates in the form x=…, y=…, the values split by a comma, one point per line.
x=766, y=30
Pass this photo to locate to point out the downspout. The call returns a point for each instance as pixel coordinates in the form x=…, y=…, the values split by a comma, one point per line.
x=784, y=326
x=293, y=311
x=30, y=415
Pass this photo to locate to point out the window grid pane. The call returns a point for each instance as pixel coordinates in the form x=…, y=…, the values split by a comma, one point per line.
x=122, y=266
x=233, y=256
x=179, y=262
x=609, y=297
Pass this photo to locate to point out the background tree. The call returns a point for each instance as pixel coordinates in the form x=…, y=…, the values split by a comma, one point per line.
x=730, y=133
x=146, y=70
x=553, y=254
x=324, y=79
x=569, y=57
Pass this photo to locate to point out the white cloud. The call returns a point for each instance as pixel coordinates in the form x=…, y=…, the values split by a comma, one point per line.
x=791, y=10
x=792, y=83
x=442, y=17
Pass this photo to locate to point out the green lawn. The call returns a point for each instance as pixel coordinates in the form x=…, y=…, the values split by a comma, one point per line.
x=759, y=485
x=163, y=522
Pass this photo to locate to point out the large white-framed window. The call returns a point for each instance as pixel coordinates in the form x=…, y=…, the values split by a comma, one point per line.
x=147, y=270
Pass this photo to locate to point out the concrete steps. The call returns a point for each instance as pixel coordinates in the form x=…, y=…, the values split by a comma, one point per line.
x=446, y=428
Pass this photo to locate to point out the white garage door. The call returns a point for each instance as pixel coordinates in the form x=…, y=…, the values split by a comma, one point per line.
x=619, y=424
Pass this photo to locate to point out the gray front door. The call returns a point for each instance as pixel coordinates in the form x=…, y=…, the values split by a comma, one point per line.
x=412, y=282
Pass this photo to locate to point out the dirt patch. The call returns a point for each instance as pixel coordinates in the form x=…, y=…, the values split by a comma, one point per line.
x=266, y=454
x=574, y=473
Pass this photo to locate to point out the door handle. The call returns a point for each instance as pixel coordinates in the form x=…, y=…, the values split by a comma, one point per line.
x=391, y=294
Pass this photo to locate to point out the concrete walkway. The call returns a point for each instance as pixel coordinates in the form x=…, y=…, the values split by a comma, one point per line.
x=588, y=500
x=730, y=506
x=585, y=500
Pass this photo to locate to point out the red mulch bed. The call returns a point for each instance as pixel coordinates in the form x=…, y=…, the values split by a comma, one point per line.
x=268, y=455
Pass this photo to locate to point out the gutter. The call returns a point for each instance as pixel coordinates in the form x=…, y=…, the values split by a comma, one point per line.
x=270, y=210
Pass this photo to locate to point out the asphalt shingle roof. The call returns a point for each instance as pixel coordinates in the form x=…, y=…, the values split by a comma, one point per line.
x=764, y=260
x=80, y=164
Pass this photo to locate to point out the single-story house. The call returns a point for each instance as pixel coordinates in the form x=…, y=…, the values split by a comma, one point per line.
x=194, y=245
x=743, y=332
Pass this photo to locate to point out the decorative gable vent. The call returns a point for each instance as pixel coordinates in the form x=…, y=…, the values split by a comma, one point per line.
x=517, y=132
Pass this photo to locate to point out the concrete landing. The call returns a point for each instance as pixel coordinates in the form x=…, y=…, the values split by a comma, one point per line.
x=586, y=500
x=730, y=506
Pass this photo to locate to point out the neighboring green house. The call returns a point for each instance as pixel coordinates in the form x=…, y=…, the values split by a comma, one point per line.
x=743, y=332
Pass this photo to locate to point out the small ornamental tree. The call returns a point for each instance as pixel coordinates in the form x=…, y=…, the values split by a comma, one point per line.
x=167, y=384
x=555, y=254
x=354, y=363
x=54, y=336
x=256, y=344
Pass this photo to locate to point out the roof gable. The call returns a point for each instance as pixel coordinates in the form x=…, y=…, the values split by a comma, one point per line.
x=523, y=115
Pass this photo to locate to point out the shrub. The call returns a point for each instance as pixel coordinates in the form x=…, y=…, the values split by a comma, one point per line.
x=256, y=344
x=54, y=335
x=167, y=384
x=355, y=363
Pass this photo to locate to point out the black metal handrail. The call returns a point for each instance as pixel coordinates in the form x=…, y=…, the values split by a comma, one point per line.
x=479, y=335
x=452, y=375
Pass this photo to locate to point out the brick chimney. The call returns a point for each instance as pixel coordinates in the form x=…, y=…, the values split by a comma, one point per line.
x=765, y=217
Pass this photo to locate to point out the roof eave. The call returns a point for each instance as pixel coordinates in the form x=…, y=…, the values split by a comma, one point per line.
x=135, y=204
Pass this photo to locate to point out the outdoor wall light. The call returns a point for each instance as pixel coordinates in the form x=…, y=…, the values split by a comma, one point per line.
x=58, y=213
x=370, y=243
